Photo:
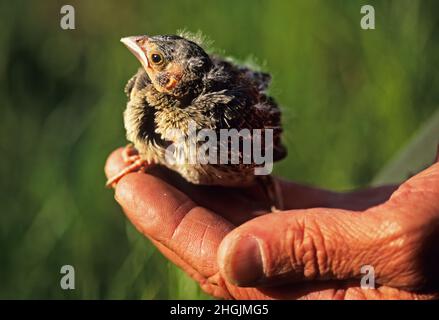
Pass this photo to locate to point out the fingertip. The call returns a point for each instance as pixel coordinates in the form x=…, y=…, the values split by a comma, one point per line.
x=136, y=194
x=114, y=163
x=126, y=189
x=240, y=259
x=223, y=254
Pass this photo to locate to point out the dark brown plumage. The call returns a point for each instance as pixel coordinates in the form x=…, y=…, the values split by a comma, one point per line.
x=180, y=83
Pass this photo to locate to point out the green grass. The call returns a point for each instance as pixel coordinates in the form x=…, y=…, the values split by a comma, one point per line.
x=352, y=99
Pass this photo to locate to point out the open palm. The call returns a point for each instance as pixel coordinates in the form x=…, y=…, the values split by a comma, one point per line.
x=226, y=239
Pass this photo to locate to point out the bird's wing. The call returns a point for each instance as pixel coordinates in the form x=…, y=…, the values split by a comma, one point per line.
x=244, y=102
x=259, y=79
x=240, y=109
x=265, y=114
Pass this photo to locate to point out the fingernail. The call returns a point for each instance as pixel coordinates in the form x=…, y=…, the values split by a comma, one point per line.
x=243, y=262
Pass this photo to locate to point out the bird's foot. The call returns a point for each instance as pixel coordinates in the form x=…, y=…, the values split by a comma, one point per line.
x=273, y=192
x=130, y=156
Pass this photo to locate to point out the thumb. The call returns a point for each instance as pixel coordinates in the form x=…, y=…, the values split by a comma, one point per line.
x=308, y=244
x=397, y=238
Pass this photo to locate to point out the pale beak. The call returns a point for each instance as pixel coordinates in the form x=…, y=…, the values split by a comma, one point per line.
x=136, y=44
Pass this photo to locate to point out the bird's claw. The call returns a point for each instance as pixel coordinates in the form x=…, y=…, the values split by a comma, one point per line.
x=130, y=156
x=137, y=165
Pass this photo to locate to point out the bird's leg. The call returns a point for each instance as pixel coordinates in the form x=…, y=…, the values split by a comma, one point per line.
x=273, y=192
x=130, y=156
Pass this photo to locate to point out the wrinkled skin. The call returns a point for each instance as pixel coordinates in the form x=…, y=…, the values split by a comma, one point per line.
x=314, y=250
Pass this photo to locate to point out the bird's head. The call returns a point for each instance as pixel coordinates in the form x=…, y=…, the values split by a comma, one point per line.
x=174, y=64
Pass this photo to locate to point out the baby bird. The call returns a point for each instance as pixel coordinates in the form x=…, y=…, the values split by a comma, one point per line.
x=179, y=84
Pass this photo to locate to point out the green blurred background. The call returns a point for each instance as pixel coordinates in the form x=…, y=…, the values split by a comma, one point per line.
x=352, y=100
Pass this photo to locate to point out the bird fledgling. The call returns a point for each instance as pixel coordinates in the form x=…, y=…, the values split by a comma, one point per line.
x=179, y=84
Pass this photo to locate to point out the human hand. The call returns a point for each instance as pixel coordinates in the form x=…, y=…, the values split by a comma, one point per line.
x=314, y=250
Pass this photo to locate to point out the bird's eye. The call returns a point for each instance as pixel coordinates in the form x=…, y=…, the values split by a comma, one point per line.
x=156, y=58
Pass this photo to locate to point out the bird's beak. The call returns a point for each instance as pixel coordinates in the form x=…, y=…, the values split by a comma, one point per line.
x=137, y=45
